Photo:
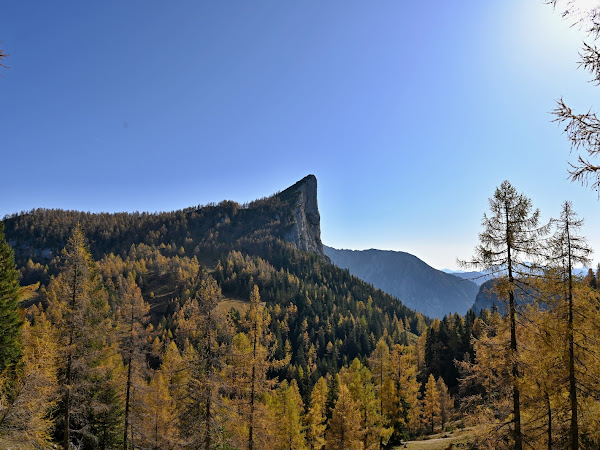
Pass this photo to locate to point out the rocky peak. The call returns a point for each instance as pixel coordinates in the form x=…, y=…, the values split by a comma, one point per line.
x=305, y=231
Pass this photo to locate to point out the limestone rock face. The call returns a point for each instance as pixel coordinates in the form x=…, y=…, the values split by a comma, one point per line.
x=304, y=230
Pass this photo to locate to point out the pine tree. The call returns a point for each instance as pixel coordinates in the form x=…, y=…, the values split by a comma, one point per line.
x=10, y=320
x=105, y=403
x=590, y=279
x=333, y=390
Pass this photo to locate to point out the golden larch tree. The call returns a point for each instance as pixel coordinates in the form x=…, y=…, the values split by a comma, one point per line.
x=431, y=403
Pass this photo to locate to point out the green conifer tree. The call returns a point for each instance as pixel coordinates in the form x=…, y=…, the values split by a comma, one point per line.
x=10, y=320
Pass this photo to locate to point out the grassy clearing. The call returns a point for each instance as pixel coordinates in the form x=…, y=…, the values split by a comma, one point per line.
x=225, y=306
x=441, y=441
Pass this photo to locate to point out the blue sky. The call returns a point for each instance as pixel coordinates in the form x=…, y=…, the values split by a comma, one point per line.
x=408, y=113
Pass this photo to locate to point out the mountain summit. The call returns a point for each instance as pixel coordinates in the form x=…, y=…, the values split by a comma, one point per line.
x=290, y=216
x=305, y=229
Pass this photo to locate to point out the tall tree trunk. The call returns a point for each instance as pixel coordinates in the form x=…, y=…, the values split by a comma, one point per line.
x=574, y=429
x=343, y=437
x=208, y=372
x=68, y=375
x=127, y=397
x=432, y=423
x=252, y=392
x=549, y=420
x=513, y=344
x=128, y=388
x=67, y=428
x=381, y=396
x=515, y=375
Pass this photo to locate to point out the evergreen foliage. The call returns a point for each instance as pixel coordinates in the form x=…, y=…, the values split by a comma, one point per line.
x=10, y=320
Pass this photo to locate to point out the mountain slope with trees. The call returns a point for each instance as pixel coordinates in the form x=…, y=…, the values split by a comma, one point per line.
x=273, y=243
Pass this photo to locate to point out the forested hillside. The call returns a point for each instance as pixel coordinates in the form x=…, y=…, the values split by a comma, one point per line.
x=227, y=327
x=153, y=304
x=262, y=243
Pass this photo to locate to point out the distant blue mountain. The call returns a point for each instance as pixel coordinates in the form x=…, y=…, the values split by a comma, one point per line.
x=487, y=298
x=476, y=277
x=415, y=283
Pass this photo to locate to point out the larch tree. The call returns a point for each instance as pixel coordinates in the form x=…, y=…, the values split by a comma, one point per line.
x=25, y=408
x=2, y=56
x=198, y=323
x=157, y=428
x=78, y=308
x=486, y=385
x=359, y=380
x=316, y=419
x=567, y=249
x=404, y=375
x=510, y=240
x=544, y=361
x=133, y=318
x=380, y=363
x=250, y=359
x=288, y=410
x=446, y=402
x=431, y=403
x=345, y=431
x=175, y=373
x=10, y=319
x=583, y=129
x=587, y=368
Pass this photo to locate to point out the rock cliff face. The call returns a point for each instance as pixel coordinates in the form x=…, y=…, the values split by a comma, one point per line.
x=304, y=230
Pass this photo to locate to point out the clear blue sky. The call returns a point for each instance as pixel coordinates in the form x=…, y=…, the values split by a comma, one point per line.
x=408, y=113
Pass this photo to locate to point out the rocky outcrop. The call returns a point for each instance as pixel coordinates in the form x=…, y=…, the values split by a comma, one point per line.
x=304, y=224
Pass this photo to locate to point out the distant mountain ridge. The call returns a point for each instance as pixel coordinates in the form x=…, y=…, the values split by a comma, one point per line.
x=418, y=285
x=476, y=277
